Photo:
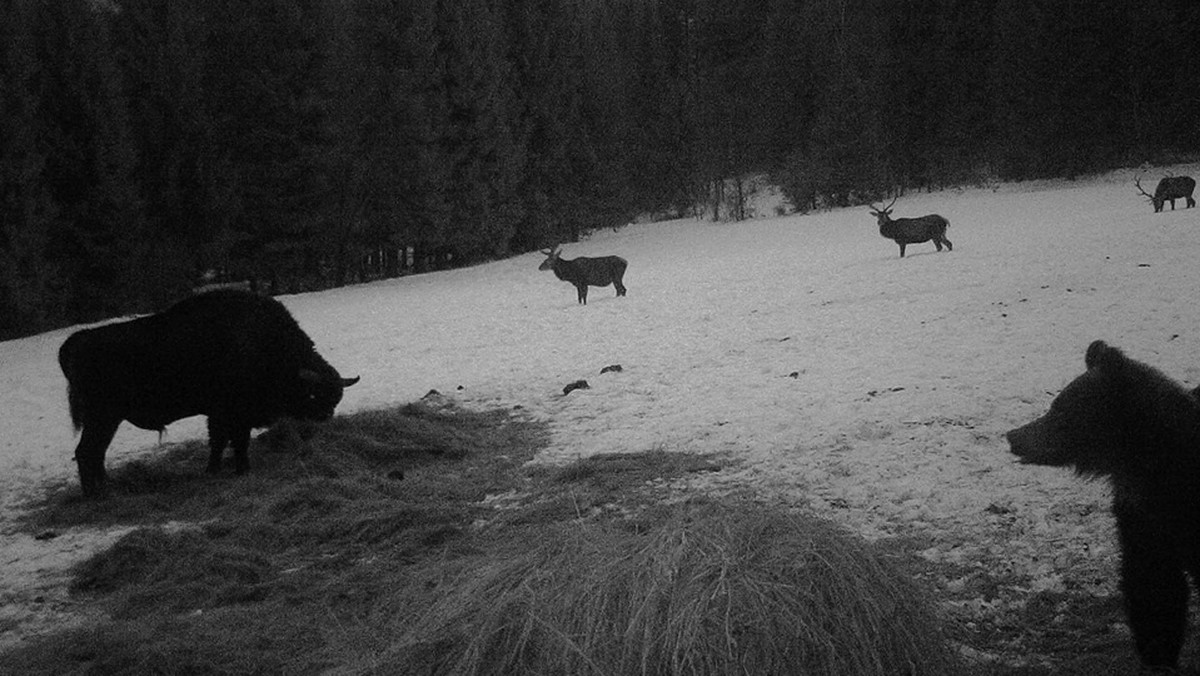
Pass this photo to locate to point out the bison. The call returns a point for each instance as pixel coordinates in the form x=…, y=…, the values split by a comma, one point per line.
x=585, y=272
x=905, y=231
x=236, y=357
x=1169, y=189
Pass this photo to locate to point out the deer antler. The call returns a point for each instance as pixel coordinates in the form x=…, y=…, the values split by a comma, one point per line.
x=1137, y=181
x=887, y=208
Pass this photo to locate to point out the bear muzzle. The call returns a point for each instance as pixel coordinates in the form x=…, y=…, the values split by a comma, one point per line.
x=1022, y=442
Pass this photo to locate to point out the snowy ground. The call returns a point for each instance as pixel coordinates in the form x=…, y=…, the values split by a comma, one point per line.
x=874, y=389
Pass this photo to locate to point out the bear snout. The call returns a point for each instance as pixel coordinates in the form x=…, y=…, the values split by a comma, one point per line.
x=1020, y=443
x=1037, y=444
x=1013, y=438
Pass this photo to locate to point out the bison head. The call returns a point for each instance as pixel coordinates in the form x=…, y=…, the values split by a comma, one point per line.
x=318, y=393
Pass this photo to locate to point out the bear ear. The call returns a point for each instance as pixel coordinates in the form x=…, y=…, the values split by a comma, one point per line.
x=1100, y=355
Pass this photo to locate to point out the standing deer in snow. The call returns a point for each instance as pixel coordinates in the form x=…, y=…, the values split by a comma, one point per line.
x=585, y=272
x=905, y=231
x=1170, y=188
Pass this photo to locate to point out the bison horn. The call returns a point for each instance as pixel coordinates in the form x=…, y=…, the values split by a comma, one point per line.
x=311, y=376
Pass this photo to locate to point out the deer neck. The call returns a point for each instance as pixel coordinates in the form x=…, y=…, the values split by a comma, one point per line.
x=563, y=271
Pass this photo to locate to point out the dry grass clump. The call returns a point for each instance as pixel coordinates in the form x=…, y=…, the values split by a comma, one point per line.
x=302, y=469
x=375, y=543
x=410, y=434
x=620, y=471
x=709, y=590
x=161, y=571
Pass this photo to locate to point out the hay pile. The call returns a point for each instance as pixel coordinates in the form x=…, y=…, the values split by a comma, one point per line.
x=710, y=590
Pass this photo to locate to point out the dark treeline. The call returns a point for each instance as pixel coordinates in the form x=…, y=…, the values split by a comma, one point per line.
x=146, y=145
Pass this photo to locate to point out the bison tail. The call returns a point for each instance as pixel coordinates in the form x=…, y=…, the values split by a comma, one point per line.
x=75, y=404
x=67, y=360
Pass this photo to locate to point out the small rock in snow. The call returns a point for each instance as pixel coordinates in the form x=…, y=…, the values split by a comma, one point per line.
x=577, y=385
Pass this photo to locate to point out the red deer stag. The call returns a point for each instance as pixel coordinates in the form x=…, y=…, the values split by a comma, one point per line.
x=1169, y=189
x=585, y=272
x=905, y=231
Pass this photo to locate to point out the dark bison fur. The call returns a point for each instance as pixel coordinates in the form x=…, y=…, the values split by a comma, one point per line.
x=1126, y=421
x=234, y=356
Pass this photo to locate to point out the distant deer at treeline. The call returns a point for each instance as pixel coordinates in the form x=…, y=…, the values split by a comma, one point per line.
x=585, y=272
x=905, y=231
x=1169, y=189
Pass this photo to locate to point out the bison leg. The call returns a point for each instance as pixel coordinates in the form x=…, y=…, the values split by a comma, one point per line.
x=89, y=455
x=620, y=287
x=221, y=433
x=937, y=243
x=582, y=288
x=241, y=444
x=945, y=241
x=1190, y=202
x=218, y=437
x=901, y=249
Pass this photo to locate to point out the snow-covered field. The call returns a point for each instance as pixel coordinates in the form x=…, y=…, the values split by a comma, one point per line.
x=874, y=389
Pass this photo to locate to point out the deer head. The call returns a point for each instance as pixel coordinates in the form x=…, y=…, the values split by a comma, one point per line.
x=1137, y=181
x=884, y=213
x=551, y=257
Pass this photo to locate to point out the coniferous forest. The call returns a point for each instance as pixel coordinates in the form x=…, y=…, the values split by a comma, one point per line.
x=149, y=145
